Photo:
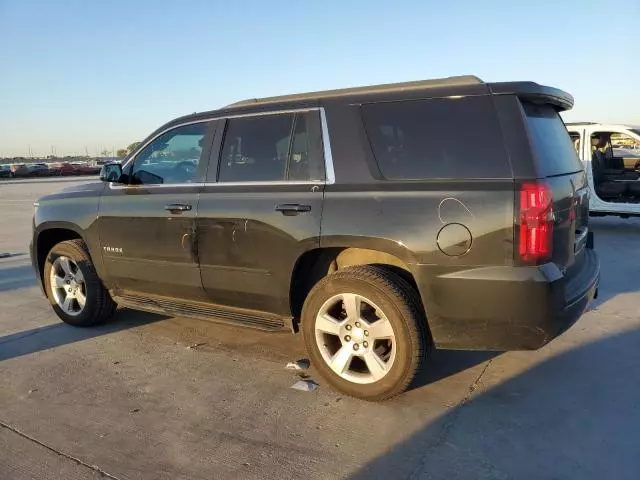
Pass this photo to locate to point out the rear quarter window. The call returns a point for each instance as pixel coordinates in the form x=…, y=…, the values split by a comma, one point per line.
x=442, y=138
x=552, y=145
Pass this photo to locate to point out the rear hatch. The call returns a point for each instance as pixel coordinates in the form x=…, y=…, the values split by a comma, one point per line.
x=561, y=170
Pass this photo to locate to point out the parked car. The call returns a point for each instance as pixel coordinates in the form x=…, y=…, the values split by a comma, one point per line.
x=54, y=169
x=379, y=221
x=5, y=171
x=19, y=170
x=38, y=170
x=68, y=169
x=613, y=173
x=85, y=169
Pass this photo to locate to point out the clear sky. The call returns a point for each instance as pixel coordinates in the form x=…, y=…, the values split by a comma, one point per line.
x=102, y=74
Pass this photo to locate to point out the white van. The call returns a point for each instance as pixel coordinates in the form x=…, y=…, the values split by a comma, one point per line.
x=611, y=158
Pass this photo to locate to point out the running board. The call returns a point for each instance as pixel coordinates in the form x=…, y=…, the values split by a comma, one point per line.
x=204, y=311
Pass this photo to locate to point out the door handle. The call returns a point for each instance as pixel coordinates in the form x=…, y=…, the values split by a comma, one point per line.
x=178, y=207
x=290, y=209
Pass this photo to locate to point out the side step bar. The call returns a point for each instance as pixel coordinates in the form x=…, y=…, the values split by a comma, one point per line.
x=204, y=311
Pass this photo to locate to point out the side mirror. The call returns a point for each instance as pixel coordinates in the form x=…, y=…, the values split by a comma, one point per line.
x=111, y=172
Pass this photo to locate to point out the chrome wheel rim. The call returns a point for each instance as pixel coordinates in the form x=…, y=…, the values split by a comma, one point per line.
x=355, y=338
x=68, y=286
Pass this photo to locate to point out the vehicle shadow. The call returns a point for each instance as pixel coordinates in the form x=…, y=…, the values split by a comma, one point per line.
x=51, y=336
x=446, y=363
x=17, y=277
x=575, y=415
x=616, y=246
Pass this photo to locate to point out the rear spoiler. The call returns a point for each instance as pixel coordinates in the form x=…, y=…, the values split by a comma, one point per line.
x=534, y=93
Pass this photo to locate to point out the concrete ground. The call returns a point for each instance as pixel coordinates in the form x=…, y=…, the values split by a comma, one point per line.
x=131, y=400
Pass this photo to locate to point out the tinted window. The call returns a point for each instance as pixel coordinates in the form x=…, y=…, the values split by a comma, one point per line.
x=439, y=138
x=303, y=164
x=550, y=141
x=256, y=148
x=272, y=148
x=173, y=157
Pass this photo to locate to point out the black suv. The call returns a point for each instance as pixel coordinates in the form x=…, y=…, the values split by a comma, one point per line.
x=380, y=221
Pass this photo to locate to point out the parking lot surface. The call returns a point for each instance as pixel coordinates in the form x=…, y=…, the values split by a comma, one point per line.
x=153, y=397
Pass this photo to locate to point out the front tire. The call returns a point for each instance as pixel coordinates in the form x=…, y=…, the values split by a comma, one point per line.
x=366, y=332
x=73, y=287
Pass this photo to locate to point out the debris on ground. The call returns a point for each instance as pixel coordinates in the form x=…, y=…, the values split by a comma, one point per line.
x=195, y=345
x=5, y=255
x=33, y=390
x=299, y=365
x=305, y=385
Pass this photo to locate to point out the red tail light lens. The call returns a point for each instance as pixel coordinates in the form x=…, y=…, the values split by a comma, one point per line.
x=536, y=223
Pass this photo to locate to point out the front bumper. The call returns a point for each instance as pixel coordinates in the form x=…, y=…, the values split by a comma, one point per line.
x=36, y=267
x=506, y=308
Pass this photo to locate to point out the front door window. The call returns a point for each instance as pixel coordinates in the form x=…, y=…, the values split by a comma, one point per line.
x=171, y=158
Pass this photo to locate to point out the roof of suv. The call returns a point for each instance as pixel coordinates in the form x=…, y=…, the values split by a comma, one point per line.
x=443, y=87
x=370, y=89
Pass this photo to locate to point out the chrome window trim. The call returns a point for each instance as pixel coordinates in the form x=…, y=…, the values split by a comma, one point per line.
x=117, y=186
x=220, y=184
x=330, y=176
x=125, y=164
x=262, y=183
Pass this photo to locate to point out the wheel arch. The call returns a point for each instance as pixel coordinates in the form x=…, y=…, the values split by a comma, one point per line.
x=315, y=264
x=47, y=236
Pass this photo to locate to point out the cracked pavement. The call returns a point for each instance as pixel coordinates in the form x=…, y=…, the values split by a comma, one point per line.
x=130, y=400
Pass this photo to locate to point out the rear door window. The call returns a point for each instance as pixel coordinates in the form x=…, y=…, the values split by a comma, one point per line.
x=268, y=148
x=550, y=140
x=437, y=139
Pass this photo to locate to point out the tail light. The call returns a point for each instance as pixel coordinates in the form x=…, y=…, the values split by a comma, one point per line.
x=535, y=242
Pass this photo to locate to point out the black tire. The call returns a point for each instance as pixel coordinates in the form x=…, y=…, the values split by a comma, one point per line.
x=99, y=306
x=400, y=304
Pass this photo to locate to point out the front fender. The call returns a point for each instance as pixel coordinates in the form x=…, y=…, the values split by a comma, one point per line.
x=74, y=210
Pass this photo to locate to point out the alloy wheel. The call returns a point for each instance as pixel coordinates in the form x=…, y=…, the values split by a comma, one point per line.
x=355, y=338
x=68, y=286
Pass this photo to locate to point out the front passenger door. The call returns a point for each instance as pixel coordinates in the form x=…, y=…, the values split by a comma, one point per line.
x=147, y=225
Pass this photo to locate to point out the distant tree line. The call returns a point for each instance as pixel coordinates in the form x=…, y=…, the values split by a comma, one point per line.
x=123, y=152
x=48, y=158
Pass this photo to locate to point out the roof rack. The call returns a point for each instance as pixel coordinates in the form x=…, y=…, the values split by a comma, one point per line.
x=387, y=87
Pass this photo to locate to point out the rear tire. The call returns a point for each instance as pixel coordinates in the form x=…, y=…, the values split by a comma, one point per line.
x=73, y=286
x=366, y=332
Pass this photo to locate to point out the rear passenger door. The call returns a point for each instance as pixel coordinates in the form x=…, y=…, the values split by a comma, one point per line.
x=260, y=208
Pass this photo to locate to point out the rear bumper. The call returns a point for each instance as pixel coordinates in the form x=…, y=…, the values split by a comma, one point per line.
x=506, y=308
